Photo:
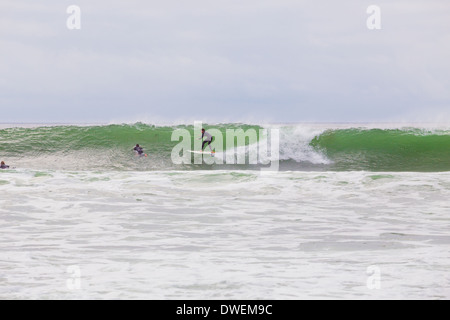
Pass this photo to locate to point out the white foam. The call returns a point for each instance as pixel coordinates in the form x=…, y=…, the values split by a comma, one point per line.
x=224, y=234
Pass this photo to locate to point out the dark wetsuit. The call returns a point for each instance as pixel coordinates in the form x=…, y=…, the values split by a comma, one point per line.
x=139, y=150
x=208, y=139
x=4, y=167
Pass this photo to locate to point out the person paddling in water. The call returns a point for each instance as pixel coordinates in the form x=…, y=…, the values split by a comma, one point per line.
x=207, y=139
x=3, y=165
x=139, y=150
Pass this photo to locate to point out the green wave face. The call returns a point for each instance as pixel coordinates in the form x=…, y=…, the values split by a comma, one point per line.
x=386, y=150
x=70, y=138
x=97, y=147
x=110, y=148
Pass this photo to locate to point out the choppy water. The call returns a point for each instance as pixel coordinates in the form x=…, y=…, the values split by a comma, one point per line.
x=223, y=234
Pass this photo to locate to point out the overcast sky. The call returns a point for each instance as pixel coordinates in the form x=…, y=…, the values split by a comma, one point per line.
x=224, y=60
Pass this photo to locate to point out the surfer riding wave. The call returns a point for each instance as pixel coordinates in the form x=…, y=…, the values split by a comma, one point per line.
x=208, y=139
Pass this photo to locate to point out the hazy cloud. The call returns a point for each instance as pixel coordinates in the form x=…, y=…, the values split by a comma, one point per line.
x=224, y=60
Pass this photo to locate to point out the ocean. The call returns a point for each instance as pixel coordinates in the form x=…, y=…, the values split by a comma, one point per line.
x=352, y=211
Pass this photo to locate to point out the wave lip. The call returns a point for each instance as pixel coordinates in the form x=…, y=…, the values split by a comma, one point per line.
x=295, y=144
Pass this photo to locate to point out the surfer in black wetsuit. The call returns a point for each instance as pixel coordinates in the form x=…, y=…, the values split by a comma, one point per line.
x=3, y=165
x=208, y=138
x=139, y=150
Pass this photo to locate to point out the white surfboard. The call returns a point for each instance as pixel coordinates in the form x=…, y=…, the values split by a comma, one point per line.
x=202, y=152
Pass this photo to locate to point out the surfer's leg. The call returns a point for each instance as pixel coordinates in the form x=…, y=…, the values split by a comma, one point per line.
x=212, y=140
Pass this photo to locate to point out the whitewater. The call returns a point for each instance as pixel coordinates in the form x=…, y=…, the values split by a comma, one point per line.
x=355, y=212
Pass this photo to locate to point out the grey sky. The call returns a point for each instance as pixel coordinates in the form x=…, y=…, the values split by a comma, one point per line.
x=233, y=60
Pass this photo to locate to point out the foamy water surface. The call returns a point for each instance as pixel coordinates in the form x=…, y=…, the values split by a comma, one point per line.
x=223, y=234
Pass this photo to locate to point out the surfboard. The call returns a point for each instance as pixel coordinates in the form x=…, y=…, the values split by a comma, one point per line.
x=202, y=152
